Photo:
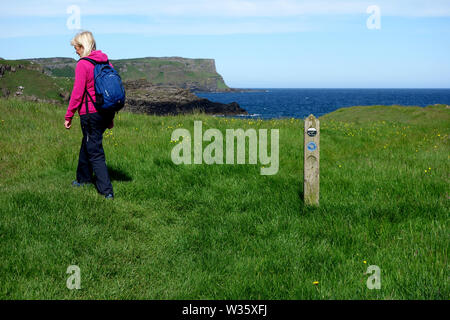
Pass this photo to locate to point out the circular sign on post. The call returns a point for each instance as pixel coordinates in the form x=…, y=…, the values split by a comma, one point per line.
x=311, y=146
x=311, y=132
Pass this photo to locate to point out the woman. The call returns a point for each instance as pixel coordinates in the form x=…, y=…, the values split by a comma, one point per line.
x=93, y=125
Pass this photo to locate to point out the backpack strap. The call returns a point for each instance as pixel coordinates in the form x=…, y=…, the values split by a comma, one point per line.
x=90, y=97
x=86, y=94
x=93, y=61
x=85, y=99
x=90, y=60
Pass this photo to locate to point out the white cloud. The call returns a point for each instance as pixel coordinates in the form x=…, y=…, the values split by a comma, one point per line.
x=206, y=28
x=196, y=17
x=162, y=27
x=227, y=8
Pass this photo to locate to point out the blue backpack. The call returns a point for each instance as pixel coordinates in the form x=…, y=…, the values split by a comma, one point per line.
x=109, y=91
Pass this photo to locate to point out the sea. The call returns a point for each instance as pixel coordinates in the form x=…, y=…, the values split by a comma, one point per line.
x=300, y=103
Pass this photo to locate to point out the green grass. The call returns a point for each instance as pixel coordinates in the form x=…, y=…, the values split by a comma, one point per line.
x=151, y=69
x=159, y=78
x=221, y=84
x=152, y=62
x=133, y=73
x=225, y=231
x=36, y=84
x=15, y=63
x=66, y=71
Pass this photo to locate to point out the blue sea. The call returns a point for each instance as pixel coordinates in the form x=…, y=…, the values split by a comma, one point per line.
x=299, y=103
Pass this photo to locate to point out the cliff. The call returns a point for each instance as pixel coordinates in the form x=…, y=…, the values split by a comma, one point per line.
x=191, y=74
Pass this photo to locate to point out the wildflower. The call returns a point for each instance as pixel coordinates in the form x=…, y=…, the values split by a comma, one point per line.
x=315, y=283
x=365, y=262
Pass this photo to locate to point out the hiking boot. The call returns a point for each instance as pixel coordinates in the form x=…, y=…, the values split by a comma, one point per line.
x=75, y=183
x=109, y=196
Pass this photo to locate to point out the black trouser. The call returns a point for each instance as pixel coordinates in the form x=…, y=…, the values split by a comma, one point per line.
x=92, y=155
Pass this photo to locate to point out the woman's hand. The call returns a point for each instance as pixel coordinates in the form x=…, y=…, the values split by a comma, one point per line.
x=68, y=124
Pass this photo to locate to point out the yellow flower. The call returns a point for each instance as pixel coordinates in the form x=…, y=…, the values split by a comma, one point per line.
x=365, y=261
x=315, y=283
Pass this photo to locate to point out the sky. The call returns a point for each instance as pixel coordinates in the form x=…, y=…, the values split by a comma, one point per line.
x=255, y=43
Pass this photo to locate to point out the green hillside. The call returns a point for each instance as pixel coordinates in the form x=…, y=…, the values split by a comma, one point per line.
x=225, y=231
x=35, y=82
x=194, y=74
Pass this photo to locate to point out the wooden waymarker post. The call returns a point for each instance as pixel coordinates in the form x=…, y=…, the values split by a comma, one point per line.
x=311, y=161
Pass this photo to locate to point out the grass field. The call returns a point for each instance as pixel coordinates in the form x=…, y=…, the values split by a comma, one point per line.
x=225, y=231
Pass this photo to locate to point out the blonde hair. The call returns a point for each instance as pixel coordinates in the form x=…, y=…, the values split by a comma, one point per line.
x=86, y=40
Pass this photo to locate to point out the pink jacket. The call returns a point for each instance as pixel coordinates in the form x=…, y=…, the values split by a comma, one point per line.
x=84, y=78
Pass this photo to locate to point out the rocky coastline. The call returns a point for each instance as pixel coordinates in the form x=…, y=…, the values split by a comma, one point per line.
x=145, y=97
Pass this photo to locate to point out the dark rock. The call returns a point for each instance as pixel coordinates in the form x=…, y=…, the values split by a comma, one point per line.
x=144, y=97
x=5, y=92
x=4, y=68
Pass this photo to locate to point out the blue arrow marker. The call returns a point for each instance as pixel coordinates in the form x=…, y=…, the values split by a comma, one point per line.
x=311, y=146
